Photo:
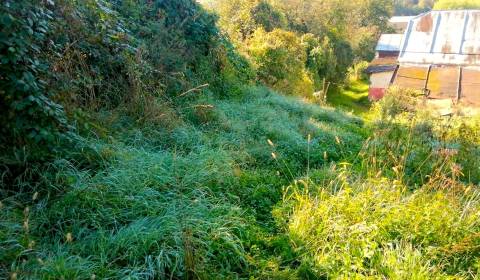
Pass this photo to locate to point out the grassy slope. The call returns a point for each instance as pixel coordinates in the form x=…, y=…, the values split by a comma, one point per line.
x=200, y=196
x=195, y=197
x=252, y=186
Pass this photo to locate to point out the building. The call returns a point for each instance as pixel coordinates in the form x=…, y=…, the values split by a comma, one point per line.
x=382, y=68
x=400, y=23
x=439, y=54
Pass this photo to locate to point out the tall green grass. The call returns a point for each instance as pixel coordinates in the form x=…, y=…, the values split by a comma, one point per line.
x=191, y=199
x=205, y=196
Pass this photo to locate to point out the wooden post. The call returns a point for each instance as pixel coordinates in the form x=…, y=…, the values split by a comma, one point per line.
x=459, y=86
x=425, y=89
x=394, y=76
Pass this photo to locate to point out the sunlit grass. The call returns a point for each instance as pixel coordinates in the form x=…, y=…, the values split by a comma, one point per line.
x=381, y=230
x=352, y=98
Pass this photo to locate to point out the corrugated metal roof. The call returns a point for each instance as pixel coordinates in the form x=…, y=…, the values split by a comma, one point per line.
x=443, y=37
x=391, y=60
x=389, y=42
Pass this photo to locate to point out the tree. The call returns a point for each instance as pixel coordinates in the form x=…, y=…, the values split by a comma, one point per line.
x=321, y=60
x=266, y=16
x=240, y=18
x=456, y=4
x=280, y=60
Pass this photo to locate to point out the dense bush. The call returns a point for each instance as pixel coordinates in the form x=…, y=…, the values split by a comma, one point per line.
x=61, y=57
x=280, y=58
x=29, y=115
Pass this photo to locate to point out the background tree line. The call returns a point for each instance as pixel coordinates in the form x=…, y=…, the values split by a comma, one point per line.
x=296, y=45
x=415, y=7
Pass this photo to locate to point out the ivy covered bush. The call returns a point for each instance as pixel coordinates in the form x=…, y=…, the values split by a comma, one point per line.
x=62, y=58
x=29, y=114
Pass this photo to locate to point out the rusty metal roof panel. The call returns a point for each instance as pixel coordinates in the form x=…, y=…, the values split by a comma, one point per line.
x=470, y=93
x=411, y=76
x=389, y=42
x=443, y=82
x=443, y=37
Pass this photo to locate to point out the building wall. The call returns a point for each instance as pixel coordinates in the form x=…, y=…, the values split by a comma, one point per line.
x=386, y=54
x=379, y=82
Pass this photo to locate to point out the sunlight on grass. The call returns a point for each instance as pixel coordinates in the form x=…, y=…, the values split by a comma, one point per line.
x=353, y=98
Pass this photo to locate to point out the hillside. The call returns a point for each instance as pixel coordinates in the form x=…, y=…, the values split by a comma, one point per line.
x=141, y=142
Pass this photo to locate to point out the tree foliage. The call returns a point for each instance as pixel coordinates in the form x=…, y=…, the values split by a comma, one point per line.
x=59, y=58
x=456, y=4
x=412, y=7
x=279, y=62
x=335, y=33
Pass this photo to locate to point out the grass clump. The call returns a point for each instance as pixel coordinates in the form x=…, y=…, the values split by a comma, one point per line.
x=378, y=229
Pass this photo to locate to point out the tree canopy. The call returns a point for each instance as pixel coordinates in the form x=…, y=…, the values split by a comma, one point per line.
x=456, y=4
x=332, y=35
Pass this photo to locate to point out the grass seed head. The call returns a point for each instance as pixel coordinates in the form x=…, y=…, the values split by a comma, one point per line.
x=26, y=226
x=270, y=142
x=69, y=237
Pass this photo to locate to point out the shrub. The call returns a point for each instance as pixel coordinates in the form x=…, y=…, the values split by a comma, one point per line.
x=29, y=116
x=357, y=71
x=95, y=55
x=280, y=58
x=396, y=101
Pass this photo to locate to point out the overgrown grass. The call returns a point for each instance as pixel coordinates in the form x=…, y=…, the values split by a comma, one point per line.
x=378, y=229
x=199, y=194
x=192, y=199
x=202, y=196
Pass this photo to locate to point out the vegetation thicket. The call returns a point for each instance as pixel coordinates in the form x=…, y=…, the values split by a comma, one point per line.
x=325, y=38
x=141, y=141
